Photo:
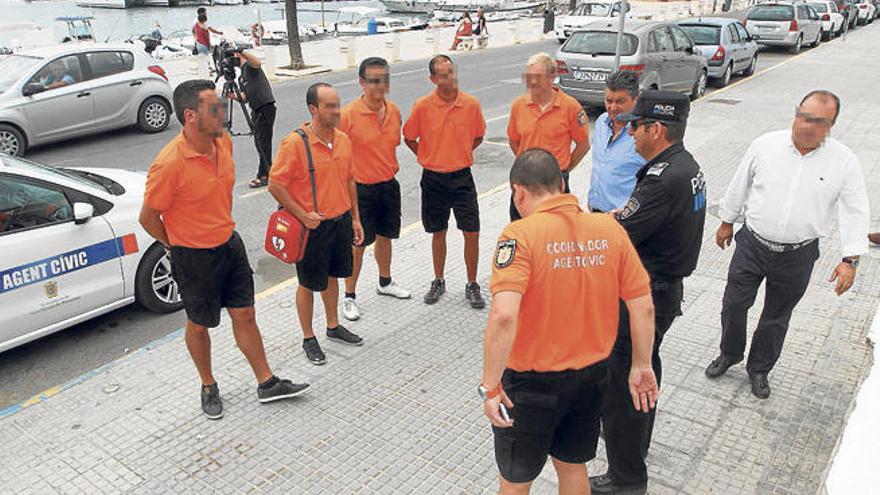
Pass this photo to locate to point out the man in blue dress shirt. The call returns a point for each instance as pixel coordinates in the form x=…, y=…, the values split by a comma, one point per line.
x=615, y=161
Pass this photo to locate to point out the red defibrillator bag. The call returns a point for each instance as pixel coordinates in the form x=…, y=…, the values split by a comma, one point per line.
x=286, y=236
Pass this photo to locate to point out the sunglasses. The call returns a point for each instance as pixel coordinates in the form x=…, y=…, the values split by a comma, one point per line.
x=644, y=122
x=810, y=119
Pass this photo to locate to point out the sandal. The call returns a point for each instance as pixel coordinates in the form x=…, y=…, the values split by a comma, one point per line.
x=257, y=183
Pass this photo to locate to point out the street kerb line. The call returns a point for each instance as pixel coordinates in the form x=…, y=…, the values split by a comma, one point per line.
x=55, y=390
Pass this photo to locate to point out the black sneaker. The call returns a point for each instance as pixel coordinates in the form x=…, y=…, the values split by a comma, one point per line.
x=313, y=351
x=344, y=336
x=474, y=296
x=212, y=406
x=604, y=485
x=760, y=385
x=720, y=366
x=283, y=389
x=438, y=288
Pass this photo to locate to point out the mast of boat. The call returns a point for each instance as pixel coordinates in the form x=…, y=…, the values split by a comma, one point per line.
x=624, y=5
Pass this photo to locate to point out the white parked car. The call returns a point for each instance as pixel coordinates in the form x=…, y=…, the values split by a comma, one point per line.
x=867, y=12
x=73, y=249
x=587, y=12
x=832, y=20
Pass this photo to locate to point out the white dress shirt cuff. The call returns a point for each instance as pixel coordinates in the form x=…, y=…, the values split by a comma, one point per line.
x=855, y=248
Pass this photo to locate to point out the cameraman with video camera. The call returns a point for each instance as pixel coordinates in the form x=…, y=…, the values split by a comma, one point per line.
x=257, y=93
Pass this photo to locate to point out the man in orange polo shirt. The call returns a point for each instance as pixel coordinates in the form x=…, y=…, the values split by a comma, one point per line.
x=188, y=208
x=558, y=277
x=547, y=118
x=335, y=223
x=372, y=123
x=443, y=130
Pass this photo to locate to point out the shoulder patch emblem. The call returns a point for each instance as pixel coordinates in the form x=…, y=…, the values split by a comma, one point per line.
x=657, y=168
x=630, y=208
x=582, y=117
x=505, y=252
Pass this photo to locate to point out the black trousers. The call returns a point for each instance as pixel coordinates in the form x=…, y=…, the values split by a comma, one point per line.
x=627, y=431
x=264, y=124
x=514, y=213
x=787, y=274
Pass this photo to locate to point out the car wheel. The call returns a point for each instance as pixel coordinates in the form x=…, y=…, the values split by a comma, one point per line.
x=818, y=38
x=724, y=80
x=797, y=45
x=154, y=115
x=752, y=66
x=12, y=141
x=826, y=36
x=699, y=86
x=155, y=287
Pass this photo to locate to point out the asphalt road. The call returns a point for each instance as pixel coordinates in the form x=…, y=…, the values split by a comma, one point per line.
x=492, y=76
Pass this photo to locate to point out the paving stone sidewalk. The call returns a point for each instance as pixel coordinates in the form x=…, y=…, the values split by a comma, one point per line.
x=401, y=415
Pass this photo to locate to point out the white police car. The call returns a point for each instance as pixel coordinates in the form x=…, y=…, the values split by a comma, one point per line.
x=71, y=248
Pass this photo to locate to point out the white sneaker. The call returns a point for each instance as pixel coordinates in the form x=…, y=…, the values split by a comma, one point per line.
x=350, y=309
x=393, y=290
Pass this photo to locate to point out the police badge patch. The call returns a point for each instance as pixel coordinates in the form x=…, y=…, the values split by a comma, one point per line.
x=582, y=118
x=657, y=168
x=505, y=252
x=50, y=289
x=630, y=208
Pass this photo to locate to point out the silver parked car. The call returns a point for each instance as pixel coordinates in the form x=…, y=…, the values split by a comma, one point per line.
x=727, y=46
x=59, y=92
x=784, y=24
x=661, y=53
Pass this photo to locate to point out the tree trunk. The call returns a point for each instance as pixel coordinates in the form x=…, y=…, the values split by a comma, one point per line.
x=293, y=44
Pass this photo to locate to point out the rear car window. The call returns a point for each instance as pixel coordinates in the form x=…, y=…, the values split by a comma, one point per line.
x=771, y=13
x=108, y=63
x=600, y=43
x=703, y=35
x=820, y=7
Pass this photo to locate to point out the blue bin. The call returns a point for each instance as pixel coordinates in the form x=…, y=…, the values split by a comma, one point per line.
x=372, y=26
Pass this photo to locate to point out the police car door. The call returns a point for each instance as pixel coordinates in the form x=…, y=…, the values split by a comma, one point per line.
x=52, y=270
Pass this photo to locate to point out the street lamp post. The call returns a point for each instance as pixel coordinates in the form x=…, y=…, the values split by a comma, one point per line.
x=624, y=7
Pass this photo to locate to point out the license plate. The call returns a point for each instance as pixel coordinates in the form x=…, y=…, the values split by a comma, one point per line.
x=590, y=76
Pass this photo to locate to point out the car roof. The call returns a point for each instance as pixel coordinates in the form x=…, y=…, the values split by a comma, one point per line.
x=73, y=48
x=709, y=21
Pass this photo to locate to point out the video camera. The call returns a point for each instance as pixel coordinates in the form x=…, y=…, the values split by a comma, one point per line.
x=225, y=60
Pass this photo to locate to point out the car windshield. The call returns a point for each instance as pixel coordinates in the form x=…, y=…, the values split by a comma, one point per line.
x=600, y=43
x=592, y=9
x=703, y=34
x=771, y=13
x=27, y=165
x=13, y=67
x=820, y=7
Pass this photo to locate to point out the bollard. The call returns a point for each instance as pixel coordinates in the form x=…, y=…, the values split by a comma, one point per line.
x=513, y=27
x=392, y=46
x=346, y=48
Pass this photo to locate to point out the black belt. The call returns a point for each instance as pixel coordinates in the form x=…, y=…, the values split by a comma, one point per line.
x=778, y=247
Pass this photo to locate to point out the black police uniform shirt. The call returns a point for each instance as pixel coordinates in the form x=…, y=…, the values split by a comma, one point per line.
x=255, y=86
x=665, y=215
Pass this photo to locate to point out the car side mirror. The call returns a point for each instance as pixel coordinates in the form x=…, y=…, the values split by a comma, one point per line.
x=689, y=50
x=32, y=89
x=82, y=212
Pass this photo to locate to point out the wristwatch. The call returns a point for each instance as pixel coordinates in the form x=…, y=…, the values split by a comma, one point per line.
x=854, y=262
x=487, y=394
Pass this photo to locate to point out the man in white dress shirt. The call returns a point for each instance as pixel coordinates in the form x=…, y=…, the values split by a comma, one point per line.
x=786, y=186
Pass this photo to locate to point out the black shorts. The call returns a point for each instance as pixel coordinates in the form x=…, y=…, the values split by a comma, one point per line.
x=210, y=279
x=555, y=413
x=328, y=253
x=454, y=191
x=379, y=206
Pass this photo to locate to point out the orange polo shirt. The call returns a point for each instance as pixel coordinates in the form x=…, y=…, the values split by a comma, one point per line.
x=376, y=143
x=193, y=193
x=554, y=129
x=572, y=268
x=333, y=170
x=445, y=131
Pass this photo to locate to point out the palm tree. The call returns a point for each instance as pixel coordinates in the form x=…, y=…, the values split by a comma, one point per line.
x=293, y=45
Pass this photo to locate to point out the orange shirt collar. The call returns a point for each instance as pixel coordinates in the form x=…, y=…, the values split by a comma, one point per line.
x=361, y=106
x=553, y=103
x=563, y=201
x=315, y=140
x=188, y=151
x=435, y=97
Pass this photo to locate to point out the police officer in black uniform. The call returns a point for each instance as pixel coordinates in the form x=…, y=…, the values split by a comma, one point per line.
x=664, y=219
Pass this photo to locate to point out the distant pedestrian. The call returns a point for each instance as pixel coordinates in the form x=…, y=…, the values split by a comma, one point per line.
x=188, y=208
x=787, y=186
x=615, y=159
x=464, y=30
x=558, y=278
x=545, y=117
x=480, y=30
x=333, y=216
x=258, y=93
x=549, y=19
x=443, y=130
x=202, y=33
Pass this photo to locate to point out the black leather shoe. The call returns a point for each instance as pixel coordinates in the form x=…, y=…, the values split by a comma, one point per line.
x=604, y=485
x=760, y=385
x=720, y=366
